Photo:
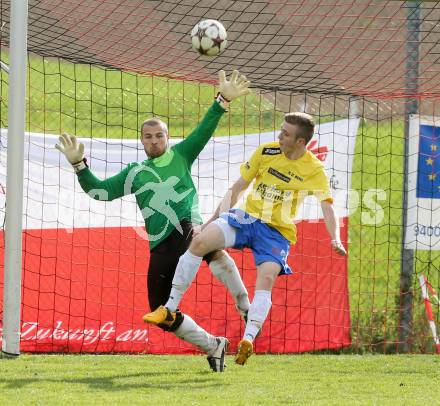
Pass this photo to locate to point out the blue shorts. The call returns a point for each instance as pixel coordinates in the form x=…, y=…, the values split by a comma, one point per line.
x=267, y=243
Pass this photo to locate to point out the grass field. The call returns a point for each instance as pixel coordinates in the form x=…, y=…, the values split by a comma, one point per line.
x=185, y=380
x=90, y=101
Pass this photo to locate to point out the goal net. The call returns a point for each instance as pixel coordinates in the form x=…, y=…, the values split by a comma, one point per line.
x=99, y=69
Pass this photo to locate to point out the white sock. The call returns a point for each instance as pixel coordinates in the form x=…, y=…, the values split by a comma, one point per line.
x=192, y=333
x=226, y=271
x=258, y=312
x=185, y=272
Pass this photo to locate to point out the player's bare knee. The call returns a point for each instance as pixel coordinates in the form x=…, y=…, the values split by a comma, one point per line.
x=198, y=246
x=266, y=281
x=218, y=255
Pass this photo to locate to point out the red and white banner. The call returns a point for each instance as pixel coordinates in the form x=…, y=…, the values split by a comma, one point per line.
x=85, y=262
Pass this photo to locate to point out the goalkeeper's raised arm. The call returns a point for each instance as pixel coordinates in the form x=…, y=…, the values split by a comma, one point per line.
x=155, y=139
x=229, y=90
x=104, y=190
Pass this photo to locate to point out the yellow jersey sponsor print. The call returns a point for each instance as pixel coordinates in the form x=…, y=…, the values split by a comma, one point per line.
x=280, y=186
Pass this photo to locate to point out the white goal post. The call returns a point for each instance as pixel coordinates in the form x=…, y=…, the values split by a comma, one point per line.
x=14, y=182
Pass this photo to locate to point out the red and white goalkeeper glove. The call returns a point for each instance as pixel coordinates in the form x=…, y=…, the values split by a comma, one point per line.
x=338, y=247
x=73, y=151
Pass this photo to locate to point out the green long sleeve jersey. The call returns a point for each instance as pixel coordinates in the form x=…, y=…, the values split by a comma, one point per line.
x=163, y=186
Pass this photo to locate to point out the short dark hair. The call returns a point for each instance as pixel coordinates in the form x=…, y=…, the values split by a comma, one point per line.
x=154, y=121
x=305, y=123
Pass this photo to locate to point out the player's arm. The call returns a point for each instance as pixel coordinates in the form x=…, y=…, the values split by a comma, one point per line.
x=104, y=190
x=323, y=194
x=248, y=171
x=332, y=225
x=230, y=199
x=229, y=90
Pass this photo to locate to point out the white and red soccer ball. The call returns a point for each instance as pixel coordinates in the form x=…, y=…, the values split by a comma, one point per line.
x=208, y=37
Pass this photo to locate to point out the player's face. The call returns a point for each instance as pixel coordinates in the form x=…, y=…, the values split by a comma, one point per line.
x=154, y=138
x=288, y=140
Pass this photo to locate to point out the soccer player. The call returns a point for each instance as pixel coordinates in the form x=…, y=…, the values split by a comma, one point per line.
x=166, y=196
x=284, y=172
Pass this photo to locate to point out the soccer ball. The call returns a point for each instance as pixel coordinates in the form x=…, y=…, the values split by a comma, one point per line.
x=208, y=37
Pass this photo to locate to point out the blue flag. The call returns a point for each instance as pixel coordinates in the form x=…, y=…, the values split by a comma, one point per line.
x=428, y=170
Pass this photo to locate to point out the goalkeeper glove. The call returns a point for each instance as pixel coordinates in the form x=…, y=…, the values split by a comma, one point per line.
x=231, y=89
x=73, y=151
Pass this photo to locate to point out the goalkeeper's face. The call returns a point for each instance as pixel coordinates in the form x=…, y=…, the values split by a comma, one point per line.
x=154, y=138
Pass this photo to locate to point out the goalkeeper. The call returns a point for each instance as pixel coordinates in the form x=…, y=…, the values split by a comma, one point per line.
x=167, y=197
x=284, y=173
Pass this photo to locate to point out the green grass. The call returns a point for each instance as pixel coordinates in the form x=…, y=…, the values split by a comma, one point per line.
x=185, y=380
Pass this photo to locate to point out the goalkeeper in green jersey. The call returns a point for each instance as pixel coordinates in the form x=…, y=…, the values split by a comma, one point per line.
x=167, y=198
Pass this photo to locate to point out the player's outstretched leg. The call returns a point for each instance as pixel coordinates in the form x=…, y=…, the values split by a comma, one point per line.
x=244, y=351
x=244, y=316
x=214, y=347
x=186, y=271
x=223, y=267
x=184, y=327
x=267, y=273
x=216, y=359
x=254, y=319
x=256, y=316
x=160, y=316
